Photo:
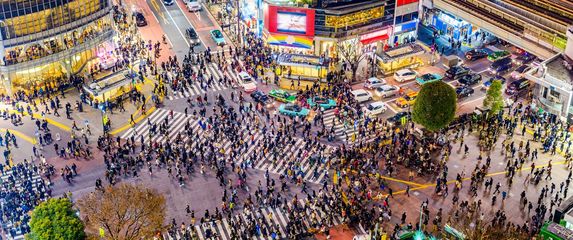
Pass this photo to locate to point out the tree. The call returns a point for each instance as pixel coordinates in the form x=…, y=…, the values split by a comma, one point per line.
x=125, y=212
x=351, y=52
x=435, y=106
x=494, y=99
x=55, y=219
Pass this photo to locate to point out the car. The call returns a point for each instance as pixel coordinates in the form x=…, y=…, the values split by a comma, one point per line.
x=140, y=20
x=324, y=103
x=456, y=72
x=193, y=5
x=519, y=72
x=487, y=83
x=494, y=56
x=523, y=59
x=403, y=75
x=470, y=79
x=387, y=91
x=260, y=97
x=282, y=96
x=247, y=82
x=475, y=54
x=373, y=82
x=428, y=77
x=500, y=66
x=361, y=95
x=291, y=109
x=464, y=91
x=517, y=86
x=168, y=2
x=375, y=108
x=407, y=100
x=192, y=35
x=217, y=36
x=396, y=119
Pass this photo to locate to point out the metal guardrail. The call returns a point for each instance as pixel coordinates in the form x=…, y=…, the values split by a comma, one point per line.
x=91, y=43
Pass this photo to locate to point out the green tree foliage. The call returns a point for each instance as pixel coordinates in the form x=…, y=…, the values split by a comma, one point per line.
x=55, y=219
x=494, y=99
x=435, y=106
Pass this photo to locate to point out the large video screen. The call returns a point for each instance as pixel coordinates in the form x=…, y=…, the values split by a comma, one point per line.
x=291, y=22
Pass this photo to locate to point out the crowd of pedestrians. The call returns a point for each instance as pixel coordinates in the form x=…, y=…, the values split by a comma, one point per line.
x=22, y=189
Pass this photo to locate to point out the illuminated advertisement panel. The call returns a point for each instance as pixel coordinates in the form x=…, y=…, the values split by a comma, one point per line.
x=288, y=20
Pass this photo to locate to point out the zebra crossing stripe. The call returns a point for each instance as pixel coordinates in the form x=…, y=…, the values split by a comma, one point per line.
x=199, y=232
x=131, y=132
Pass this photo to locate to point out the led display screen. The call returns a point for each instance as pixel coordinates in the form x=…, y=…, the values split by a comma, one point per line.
x=291, y=22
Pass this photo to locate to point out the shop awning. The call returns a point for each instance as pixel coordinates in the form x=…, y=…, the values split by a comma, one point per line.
x=374, y=39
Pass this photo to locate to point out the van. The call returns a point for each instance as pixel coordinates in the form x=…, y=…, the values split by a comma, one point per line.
x=500, y=66
x=517, y=86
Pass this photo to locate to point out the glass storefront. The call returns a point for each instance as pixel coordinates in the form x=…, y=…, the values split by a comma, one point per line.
x=24, y=17
x=451, y=26
x=49, y=73
x=59, y=43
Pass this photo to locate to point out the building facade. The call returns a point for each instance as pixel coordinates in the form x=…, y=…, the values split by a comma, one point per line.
x=553, y=90
x=316, y=27
x=45, y=41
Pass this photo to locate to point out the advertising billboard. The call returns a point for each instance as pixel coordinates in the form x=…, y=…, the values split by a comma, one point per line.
x=289, y=20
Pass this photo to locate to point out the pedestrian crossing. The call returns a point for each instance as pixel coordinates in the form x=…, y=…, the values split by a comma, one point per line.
x=309, y=163
x=343, y=130
x=176, y=124
x=200, y=88
x=348, y=131
x=270, y=222
x=298, y=157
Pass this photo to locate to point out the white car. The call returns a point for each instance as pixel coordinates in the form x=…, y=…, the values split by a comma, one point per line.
x=375, y=108
x=404, y=75
x=247, y=82
x=361, y=95
x=386, y=91
x=373, y=82
x=193, y=5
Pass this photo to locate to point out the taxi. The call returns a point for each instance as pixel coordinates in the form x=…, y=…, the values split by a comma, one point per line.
x=407, y=100
x=282, y=96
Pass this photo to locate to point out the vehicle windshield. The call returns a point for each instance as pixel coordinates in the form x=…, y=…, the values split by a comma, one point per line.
x=408, y=97
x=320, y=100
x=217, y=34
x=370, y=107
x=295, y=108
x=428, y=77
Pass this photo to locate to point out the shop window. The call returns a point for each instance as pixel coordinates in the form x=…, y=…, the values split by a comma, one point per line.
x=398, y=19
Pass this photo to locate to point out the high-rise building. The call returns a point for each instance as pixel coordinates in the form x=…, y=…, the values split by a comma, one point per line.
x=46, y=41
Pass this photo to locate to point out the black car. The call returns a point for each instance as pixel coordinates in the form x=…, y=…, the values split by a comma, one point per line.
x=456, y=72
x=464, y=91
x=396, y=119
x=191, y=33
x=523, y=59
x=470, y=79
x=260, y=97
x=140, y=20
x=475, y=54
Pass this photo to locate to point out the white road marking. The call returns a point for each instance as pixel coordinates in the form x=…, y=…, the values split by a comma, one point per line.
x=173, y=20
x=185, y=15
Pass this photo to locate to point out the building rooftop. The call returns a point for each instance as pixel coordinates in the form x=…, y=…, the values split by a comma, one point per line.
x=560, y=67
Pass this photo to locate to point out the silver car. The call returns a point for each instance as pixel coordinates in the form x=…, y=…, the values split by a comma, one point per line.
x=386, y=91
